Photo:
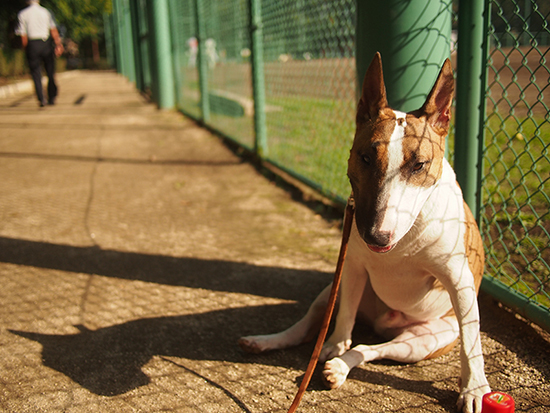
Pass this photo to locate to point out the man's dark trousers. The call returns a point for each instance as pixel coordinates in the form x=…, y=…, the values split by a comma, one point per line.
x=38, y=52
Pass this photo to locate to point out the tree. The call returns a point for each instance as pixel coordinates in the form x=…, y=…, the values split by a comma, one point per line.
x=8, y=21
x=81, y=19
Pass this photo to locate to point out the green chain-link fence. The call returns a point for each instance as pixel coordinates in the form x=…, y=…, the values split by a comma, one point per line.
x=515, y=213
x=309, y=80
x=296, y=110
x=310, y=88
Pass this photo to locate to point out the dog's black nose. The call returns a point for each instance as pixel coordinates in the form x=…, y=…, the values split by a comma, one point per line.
x=370, y=231
x=380, y=238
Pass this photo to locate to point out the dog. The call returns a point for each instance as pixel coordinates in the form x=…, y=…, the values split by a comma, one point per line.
x=415, y=256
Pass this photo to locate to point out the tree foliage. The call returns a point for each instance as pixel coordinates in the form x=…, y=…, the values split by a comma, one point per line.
x=80, y=18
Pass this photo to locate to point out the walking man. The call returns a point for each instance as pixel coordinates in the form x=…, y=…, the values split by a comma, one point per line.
x=42, y=44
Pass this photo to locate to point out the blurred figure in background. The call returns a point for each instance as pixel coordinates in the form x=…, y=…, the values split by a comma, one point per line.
x=42, y=44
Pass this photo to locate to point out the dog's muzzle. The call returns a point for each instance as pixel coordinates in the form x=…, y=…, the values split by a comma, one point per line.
x=380, y=250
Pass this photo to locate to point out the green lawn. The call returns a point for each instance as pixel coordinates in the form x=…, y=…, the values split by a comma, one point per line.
x=313, y=138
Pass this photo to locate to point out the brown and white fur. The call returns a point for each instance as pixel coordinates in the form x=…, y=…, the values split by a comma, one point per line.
x=415, y=257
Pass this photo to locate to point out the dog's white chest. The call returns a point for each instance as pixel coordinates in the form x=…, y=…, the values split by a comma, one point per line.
x=406, y=285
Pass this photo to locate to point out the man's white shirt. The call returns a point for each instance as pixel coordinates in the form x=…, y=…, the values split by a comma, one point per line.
x=35, y=22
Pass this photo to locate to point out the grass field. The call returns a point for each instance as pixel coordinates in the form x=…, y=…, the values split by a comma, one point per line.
x=313, y=137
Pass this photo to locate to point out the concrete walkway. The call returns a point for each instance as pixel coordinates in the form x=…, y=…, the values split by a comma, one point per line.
x=135, y=249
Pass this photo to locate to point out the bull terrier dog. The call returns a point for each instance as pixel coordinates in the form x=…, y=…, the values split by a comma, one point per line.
x=415, y=256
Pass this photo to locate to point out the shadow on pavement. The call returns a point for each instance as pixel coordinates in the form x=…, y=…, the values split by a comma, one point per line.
x=128, y=161
x=216, y=275
x=109, y=361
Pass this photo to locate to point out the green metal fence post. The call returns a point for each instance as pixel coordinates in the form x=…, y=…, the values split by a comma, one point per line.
x=177, y=49
x=143, y=43
x=258, y=83
x=202, y=60
x=118, y=37
x=109, y=42
x=413, y=38
x=135, y=44
x=163, y=55
x=128, y=34
x=470, y=97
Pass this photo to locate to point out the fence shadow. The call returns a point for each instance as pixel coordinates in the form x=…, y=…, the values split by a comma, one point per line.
x=216, y=275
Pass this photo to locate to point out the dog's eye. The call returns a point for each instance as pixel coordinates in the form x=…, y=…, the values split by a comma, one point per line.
x=366, y=159
x=418, y=166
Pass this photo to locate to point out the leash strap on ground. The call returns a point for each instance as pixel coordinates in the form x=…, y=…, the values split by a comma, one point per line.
x=348, y=219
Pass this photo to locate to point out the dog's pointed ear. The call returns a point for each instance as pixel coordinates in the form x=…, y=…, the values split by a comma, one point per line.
x=373, y=95
x=437, y=107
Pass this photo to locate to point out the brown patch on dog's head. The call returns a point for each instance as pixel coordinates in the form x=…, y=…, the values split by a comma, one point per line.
x=368, y=160
x=423, y=152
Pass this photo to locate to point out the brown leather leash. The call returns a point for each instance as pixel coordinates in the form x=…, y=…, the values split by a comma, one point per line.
x=348, y=219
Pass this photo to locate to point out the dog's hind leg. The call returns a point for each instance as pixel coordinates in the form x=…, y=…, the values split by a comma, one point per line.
x=413, y=343
x=303, y=331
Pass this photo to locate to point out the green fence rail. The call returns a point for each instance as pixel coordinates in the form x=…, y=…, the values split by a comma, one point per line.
x=279, y=78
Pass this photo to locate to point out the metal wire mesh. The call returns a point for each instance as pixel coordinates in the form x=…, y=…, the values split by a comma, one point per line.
x=309, y=80
x=227, y=48
x=186, y=44
x=515, y=215
x=310, y=88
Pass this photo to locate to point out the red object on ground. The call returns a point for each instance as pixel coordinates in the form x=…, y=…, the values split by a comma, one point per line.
x=498, y=402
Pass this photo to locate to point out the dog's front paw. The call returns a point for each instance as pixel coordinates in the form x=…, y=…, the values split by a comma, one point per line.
x=255, y=344
x=470, y=399
x=331, y=350
x=335, y=372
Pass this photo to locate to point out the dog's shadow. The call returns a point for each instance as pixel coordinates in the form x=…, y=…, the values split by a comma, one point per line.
x=108, y=361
